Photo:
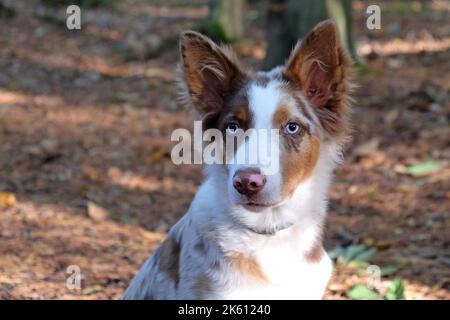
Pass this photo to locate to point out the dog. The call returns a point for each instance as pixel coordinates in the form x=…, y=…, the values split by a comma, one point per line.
x=248, y=234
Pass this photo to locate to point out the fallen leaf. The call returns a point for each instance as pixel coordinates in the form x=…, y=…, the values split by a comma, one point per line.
x=93, y=289
x=367, y=147
x=372, y=194
x=423, y=169
x=156, y=155
x=95, y=212
x=49, y=145
x=396, y=290
x=7, y=199
x=92, y=173
x=43, y=249
x=362, y=292
x=390, y=269
x=383, y=244
x=353, y=253
x=391, y=116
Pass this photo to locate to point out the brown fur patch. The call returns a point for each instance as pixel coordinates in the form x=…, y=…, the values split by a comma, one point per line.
x=298, y=162
x=262, y=80
x=169, y=261
x=236, y=110
x=247, y=266
x=281, y=116
x=300, y=151
x=210, y=72
x=316, y=253
x=200, y=247
x=293, y=90
x=202, y=287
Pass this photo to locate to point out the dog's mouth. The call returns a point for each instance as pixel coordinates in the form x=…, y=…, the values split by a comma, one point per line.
x=257, y=206
x=257, y=203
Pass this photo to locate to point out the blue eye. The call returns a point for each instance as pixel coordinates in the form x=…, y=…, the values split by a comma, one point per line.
x=232, y=127
x=291, y=128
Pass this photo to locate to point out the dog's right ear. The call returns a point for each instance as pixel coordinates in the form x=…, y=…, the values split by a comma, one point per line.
x=210, y=72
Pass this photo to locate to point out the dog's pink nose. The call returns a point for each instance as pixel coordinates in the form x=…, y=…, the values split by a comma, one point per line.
x=249, y=181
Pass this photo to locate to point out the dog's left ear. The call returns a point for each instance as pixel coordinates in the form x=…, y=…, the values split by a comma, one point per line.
x=209, y=72
x=319, y=66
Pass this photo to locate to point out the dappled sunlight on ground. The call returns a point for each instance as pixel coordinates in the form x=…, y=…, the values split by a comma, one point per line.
x=39, y=242
x=402, y=46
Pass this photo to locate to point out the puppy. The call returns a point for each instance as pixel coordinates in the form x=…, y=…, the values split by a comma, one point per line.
x=250, y=233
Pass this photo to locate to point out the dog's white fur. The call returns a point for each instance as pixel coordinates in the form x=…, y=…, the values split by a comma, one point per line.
x=222, y=250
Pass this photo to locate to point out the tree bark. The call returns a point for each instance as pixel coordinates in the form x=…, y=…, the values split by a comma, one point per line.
x=341, y=12
x=290, y=20
x=229, y=16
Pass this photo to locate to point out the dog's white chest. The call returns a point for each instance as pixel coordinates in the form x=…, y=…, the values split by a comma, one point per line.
x=286, y=278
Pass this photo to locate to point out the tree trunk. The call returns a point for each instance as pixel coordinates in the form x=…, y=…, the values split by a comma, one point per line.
x=290, y=20
x=279, y=40
x=6, y=12
x=341, y=12
x=229, y=17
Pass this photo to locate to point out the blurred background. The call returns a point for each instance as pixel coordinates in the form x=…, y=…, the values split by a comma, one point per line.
x=86, y=115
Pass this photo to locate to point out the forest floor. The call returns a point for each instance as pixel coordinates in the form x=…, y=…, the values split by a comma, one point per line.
x=85, y=172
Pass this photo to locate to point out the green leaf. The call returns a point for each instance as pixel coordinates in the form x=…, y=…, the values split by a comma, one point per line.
x=363, y=69
x=362, y=292
x=336, y=253
x=93, y=289
x=366, y=255
x=431, y=94
x=358, y=264
x=352, y=251
x=423, y=168
x=396, y=290
x=390, y=269
x=372, y=195
x=353, y=254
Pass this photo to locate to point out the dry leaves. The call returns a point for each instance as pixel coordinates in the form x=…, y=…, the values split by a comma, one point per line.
x=96, y=212
x=7, y=200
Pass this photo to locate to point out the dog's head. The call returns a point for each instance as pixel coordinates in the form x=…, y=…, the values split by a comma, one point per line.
x=305, y=101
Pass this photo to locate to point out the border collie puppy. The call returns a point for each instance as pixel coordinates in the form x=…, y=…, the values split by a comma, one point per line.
x=249, y=234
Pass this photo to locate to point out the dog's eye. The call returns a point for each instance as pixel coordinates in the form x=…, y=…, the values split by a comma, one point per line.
x=292, y=128
x=232, y=127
